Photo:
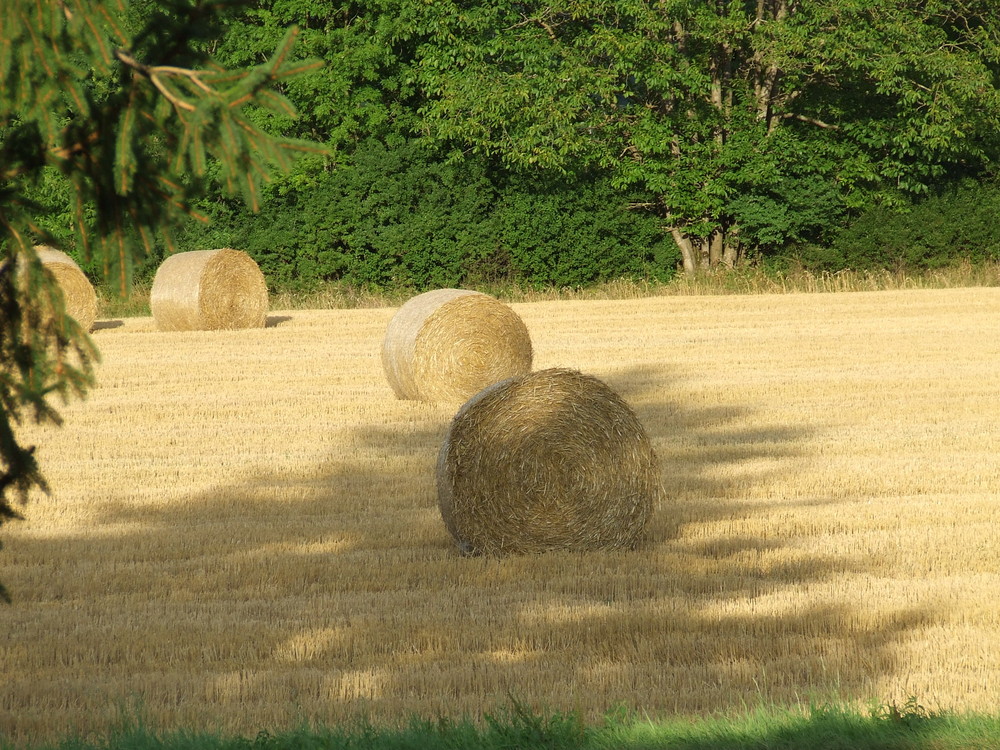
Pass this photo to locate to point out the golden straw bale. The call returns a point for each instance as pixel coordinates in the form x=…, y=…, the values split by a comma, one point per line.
x=449, y=344
x=207, y=290
x=554, y=460
x=78, y=293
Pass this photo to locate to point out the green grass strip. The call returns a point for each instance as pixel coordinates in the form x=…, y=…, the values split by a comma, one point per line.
x=889, y=727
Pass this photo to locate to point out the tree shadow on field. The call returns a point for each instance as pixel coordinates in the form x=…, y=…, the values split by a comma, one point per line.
x=336, y=591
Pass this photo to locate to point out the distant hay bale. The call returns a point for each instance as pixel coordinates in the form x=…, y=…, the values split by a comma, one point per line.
x=449, y=344
x=78, y=293
x=554, y=460
x=208, y=290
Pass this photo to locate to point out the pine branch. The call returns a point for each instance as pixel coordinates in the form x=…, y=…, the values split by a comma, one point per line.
x=154, y=74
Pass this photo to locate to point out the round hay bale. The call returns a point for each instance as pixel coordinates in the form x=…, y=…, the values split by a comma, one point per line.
x=78, y=293
x=209, y=290
x=554, y=460
x=449, y=344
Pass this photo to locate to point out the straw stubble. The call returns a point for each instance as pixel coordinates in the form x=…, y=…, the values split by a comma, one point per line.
x=243, y=532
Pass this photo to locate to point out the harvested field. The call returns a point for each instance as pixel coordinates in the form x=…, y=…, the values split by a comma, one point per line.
x=244, y=534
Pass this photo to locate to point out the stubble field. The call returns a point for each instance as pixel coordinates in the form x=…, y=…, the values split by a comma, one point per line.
x=243, y=529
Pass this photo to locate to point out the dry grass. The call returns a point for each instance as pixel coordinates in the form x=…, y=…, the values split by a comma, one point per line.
x=744, y=280
x=244, y=532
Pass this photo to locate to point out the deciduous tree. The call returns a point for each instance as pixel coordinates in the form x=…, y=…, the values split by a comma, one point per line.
x=708, y=103
x=131, y=109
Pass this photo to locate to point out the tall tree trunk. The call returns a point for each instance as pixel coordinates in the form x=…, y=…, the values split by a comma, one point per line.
x=731, y=253
x=721, y=248
x=686, y=247
x=715, y=248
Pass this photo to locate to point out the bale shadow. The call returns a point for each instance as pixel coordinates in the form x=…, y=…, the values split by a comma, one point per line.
x=103, y=325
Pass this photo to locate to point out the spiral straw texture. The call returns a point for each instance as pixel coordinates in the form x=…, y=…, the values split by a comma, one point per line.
x=78, y=293
x=449, y=344
x=554, y=460
x=204, y=290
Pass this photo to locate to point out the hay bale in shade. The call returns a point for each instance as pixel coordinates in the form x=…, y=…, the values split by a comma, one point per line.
x=207, y=290
x=78, y=293
x=449, y=344
x=554, y=460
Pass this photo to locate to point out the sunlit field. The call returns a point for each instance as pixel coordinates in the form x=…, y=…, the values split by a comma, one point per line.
x=243, y=529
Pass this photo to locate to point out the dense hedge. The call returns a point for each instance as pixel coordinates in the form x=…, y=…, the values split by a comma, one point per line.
x=576, y=232
x=957, y=224
x=400, y=216
x=397, y=216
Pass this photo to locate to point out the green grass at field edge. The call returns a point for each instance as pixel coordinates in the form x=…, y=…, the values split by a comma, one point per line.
x=825, y=727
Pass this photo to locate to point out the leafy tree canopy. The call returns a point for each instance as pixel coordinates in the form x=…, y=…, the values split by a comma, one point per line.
x=752, y=122
x=707, y=103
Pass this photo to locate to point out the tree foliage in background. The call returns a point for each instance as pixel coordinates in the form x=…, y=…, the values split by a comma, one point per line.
x=743, y=126
x=389, y=218
x=131, y=111
x=561, y=142
x=398, y=210
x=573, y=230
x=714, y=105
x=954, y=225
x=404, y=217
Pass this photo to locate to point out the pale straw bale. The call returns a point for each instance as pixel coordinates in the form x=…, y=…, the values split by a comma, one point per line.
x=449, y=344
x=204, y=290
x=78, y=293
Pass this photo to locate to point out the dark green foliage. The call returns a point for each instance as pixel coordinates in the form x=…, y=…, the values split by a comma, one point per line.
x=404, y=216
x=707, y=104
x=366, y=90
x=392, y=217
x=760, y=124
x=578, y=230
x=757, y=124
x=797, y=210
x=956, y=225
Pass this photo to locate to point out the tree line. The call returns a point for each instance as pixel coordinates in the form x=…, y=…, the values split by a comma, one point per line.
x=566, y=142
x=570, y=142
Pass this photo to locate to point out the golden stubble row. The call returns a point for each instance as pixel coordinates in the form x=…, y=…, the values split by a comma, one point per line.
x=243, y=531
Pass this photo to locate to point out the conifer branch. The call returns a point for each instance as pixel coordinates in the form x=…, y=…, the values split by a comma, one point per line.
x=153, y=73
x=60, y=153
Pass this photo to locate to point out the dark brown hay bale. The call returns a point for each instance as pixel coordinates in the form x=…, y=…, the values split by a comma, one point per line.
x=554, y=460
x=206, y=290
x=449, y=344
x=78, y=293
